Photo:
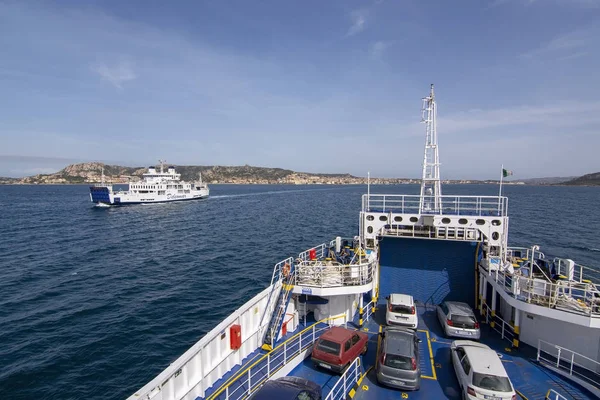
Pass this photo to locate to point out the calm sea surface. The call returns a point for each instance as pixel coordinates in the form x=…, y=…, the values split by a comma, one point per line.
x=95, y=302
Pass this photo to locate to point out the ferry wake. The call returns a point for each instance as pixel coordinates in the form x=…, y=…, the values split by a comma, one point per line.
x=427, y=301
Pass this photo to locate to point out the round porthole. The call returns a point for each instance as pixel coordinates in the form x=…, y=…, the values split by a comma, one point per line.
x=496, y=222
x=480, y=222
x=445, y=220
x=383, y=218
x=414, y=219
x=495, y=235
x=370, y=218
x=463, y=221
x=397, y=219
x=369, y=229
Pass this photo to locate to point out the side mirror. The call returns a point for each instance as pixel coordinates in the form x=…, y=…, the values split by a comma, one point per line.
x=420, y=340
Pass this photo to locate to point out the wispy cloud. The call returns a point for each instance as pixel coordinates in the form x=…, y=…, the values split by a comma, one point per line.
x=116, y=74
x=377, y=49
x=571, y=45
x=359, y=21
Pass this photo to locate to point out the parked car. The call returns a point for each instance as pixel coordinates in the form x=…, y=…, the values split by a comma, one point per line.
x=401, y=310
x=289, y=388
x=480, y=372
x=458, y=320
x=338, y=347
x=398, y=359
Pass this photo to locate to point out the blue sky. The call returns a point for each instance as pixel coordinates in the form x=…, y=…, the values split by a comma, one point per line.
x=316, y=86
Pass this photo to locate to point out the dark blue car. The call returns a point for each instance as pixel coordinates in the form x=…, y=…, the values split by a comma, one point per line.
x=289, y=388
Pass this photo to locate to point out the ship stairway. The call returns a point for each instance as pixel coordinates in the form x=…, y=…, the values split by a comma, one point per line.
x=280, y=307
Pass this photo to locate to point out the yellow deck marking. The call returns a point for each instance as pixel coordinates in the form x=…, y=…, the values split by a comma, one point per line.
x=434, y=377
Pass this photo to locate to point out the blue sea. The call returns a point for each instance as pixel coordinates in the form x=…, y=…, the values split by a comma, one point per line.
x=96, y=302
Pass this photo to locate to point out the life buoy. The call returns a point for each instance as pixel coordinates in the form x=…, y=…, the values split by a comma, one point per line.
x=286, y=270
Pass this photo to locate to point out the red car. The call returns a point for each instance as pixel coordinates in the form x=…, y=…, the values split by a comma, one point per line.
x=338, y=347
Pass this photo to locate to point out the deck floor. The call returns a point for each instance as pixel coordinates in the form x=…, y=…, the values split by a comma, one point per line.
x=438, y=377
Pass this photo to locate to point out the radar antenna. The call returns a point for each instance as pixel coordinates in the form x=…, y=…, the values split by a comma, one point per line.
x=431, y=190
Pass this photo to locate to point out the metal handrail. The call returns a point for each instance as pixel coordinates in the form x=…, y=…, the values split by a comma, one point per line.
x=554, y=395
x=332, y=274
x=570, y=361
x=368, y=310
x=505, y=329
x=275, y=278
x=569, y=296
x=276, y=359
x=450, y=205
x=340, y=390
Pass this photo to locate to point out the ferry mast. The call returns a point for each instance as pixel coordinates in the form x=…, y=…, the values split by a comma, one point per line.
x=431, y=190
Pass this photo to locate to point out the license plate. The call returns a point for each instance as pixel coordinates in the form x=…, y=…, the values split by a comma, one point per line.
x=395, y=382
x=491, y=397
x=401, y=317
x=325, y=366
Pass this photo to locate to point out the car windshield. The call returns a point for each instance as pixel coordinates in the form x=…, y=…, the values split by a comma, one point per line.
x=398, y=362
x=463, y=321
x=401, y=309
x=328, y=346
x=492, y=382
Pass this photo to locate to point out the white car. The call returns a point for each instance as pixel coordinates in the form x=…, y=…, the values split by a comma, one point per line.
x=480, y=372
x=401, y=310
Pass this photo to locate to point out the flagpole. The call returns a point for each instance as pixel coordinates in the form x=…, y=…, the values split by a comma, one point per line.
x=500, y=191
x=368, y=189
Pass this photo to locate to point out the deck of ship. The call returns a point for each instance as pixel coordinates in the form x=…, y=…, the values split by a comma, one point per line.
x=531, y=380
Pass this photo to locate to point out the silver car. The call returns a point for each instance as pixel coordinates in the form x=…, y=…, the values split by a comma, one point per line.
x=458, y=320
x=398, y=359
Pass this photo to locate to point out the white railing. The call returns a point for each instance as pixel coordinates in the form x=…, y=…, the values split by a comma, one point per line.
x=450, y=205
x=368, y=310
x=319, y=250
x=523, y=253
x=554, y=395
x=340, y=390
x=249, y=379
x=276, y=288
x=325, y=274
x=570, y=296
x=505, y=329
x=573, y=363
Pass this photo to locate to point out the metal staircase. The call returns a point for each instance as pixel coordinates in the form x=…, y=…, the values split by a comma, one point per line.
x=280, y=307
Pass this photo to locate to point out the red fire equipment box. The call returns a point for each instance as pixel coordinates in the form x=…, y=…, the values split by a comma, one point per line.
x=235, y=337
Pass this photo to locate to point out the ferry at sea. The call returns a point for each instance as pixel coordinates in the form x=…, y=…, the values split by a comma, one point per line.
x=539, y=314
x=154, y=187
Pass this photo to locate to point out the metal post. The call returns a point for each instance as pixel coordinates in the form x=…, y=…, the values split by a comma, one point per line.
x=538, y=350
x=558, y=358
x=572, y=361
x=284, y=353
x=249, y=380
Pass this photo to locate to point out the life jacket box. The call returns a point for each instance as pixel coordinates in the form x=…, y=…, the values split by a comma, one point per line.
x=235, y=337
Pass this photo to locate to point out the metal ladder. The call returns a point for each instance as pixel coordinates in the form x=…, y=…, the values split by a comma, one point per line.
x=279, y=312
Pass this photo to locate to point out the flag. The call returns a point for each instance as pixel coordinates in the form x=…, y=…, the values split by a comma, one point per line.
x=506, y=173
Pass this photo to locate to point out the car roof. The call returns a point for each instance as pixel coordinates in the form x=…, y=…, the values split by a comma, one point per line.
x=484, y=360
x=338, y=334
x=286, y=387
x=401, y=299
x=456, y=307
x=399, y=342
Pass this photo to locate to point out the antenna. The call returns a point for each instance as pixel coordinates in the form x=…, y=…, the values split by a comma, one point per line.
x=162, y=164
x=431, y=189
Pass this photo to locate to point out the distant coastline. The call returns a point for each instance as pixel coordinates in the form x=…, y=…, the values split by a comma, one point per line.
x=91, y=173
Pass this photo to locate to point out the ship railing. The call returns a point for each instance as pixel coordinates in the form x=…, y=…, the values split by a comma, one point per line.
x=505, y=329
x=320, y=250
x=368, y=309
x=340, y=390
x=516, y=254
x=575, y=364
x=580, y=272
x=248, y=380
x=449, y=205
x=554, y=395
x=431, y=232
x=571, y=296
x=326, y=274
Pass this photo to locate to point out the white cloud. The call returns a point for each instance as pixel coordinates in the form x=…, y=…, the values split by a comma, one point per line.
x=116, y=74
x=377, y=49
x=359, y=20
x=567, y=46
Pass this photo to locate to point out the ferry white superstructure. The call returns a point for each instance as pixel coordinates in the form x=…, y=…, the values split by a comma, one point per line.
x=154, y=187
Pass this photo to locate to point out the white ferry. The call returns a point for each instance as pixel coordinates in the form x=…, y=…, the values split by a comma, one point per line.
x=154, y=187
x=540, y=315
